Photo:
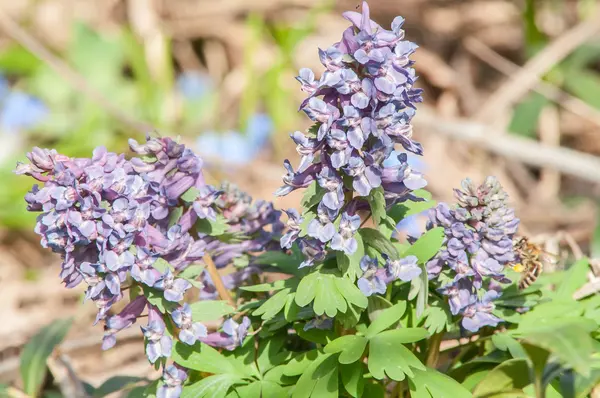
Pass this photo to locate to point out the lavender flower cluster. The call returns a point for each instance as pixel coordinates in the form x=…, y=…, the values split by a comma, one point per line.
x=121, y=224
x=478, y=245
x=362, y=105
x=375, y=279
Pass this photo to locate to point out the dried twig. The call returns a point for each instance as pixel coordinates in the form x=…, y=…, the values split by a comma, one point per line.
x=521, y=82
x=217, y=281
x=565, y=160
x=12, y=29
x=506, y=67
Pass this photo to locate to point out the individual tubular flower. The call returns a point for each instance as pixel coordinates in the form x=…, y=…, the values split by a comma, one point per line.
x=375, y=279
x=174, y=289
x=190, y=331
x=476, y=249
x=232, y=336
x=362, y=106
x=172, y=380
x=158, y=344
x=344, y=240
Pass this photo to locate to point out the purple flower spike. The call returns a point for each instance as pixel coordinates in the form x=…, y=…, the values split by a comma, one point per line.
x=190, y=332
x=173, y=378
x=373, y=279
x=174, y=289
x=344, y=239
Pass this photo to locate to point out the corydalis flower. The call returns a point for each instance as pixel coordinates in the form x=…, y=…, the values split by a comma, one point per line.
x=158, y=344
x=476, y=249
x=362, y=105
x=375, y=279
x=172, y=380
x=190, y=331
x=231, y=337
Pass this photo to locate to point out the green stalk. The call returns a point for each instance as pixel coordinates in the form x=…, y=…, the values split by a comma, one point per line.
x=433, y=354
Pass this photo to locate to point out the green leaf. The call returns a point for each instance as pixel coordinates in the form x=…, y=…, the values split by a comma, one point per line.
x=352, y=378
x=376, y=240
x=287, y=263
x=526, y=115
x=261, y=389
x=307, y=289
x=116, y=383
x=213, y=228
x=328, y=300
x=584, y=85
x=190, y=195
x=192, y=272
x=350, y=346
x=377, y=304
x=273, y=305
x=300, y=363
x=508, y=376
x=161, y=265
x=267, y=287
x=210, y=310
x=215, y=386
x=175, y=215
x=331, y=293
x=156, y=298
x=574, y=278
x=36, y=352
x=387, y=356
x=568, y=339
x=386, y=319
x=431, y=383
x=349, y=265
x=315, y=335
x=423, y=294
x=427, y=245
x=351, y=293
x=319, y=380
x=377, y=203
x=16, y=59
x=504, y=342
x=272, y=353
x=313, y=195
x=204, y=358
x=437, y=318
x=400, y=211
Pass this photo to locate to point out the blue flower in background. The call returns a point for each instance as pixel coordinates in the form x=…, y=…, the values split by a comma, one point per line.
x=234, y=147
x=193, y=85
x=18, y=110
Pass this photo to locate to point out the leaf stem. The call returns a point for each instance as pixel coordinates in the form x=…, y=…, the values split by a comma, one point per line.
x=217, y=281
x=433, y=354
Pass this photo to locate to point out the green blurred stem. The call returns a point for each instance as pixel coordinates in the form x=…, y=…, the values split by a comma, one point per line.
x=433, y=354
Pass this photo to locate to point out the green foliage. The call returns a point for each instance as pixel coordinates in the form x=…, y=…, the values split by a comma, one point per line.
x=36, y=352
x=329, y=292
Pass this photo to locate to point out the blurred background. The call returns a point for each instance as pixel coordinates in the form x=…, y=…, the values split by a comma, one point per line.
x=512, y=89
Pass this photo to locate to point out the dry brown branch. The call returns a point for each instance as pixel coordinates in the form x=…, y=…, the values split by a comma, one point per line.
x=521, y=82
x=12, y=29
x=548, y=187
x=217, y=281
x=506, y=67
x=565, y=160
